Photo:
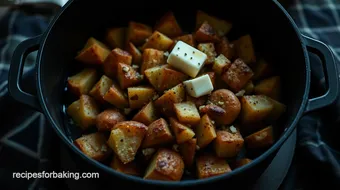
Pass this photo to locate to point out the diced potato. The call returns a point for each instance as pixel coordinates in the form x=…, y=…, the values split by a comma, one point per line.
x=137, y=33
x=129, y=168
x=188, y=151
x=255, y=108
x=238, y=75
x=209, y=50
x=126, y=138
x=228, y=143
x=166, y=102
x=111, y=63
x=139, y=96
x=107, y=119
x=187, y=113
x=270, y=87
x=94, y=146
x=115, y=37
x=82, y=82
x=205, y=132
x=261, y=139
x=206, y=34
x=154, y=76
x=147, y=114
x=249, y=88
x=262, y=69
x=94, y=52
x=166, y=165
x=277, y=111
x=222, y=27
x=182, y=132
x=188, y=39
x=200, y=101
x=170, y=78
x=152, y=58
x=226, y=48
x=99, y=90
x=168, y=25
x=221, y=64
x=245, y=49
x=241, y=162
x=127, y=76
x=135, y=53
x=115, y=96
x=158, y=41
x=84, y=112
x=208, y=165
x=158, y=134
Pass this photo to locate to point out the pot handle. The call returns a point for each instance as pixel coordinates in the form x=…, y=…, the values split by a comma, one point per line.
x=16, y=70
x=331, y=74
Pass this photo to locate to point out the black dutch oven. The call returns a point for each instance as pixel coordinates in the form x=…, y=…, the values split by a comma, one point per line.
x=274, y=33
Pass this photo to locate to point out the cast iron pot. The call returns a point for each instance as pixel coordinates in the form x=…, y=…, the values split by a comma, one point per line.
x=274, y=33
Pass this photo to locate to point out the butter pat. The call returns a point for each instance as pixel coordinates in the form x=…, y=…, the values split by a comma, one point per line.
x=199, y=86
x=186, y=59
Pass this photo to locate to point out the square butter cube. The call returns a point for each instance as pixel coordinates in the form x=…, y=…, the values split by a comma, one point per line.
x=199, y=86
x=186, y=59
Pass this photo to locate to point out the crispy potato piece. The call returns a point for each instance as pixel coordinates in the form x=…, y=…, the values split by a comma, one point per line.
x=82, y=82
x=139, y=96
x=166, y=102
x=221, y=64
x=166, y=165
x=226, y=48
x=245, y=49
x=158, y=134
x=277, y=111
x=222, y=27
x=147, y=114
x=228, y=143
x=260, y=139
x=208, y=165
x=129, y=168
x=188, y=39
x=241, y=162
x=84, y=112
x=205, y=132
x=115, y=37
x=137, y=33
x=154, y=76
x=170, y=78
x=249, y=88
x=206, y=34
x=94, y=52
x=158, y=41
x=182, y=132
x=115, y=96
x=94, y=146
x=125, y=139
x=262, y=69
x=127, y=76
x=187, y=113
x=100, y=88
x=238, y=75
x=168, y=25
x=255, y=108
x=152, y=58
x=270, y=87
x=107, y=119
x=111, y=63
x=135, y=53
x=200, y=101
x=209, y=50
x=188, y=151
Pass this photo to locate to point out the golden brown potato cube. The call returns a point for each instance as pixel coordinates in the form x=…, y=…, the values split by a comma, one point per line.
x=166, y=102
x=115, y=37
x=147, y=114
x=188, y=39
x=262, y=69
x=222, y=27
x=139, y=96
x=170, y=78
x=221, y=64
x=125, y=139
x=241, y=162
x=209, y=50
x=260, y=139
x=100, y=88
x=107, y=119
x=205, y=131
x=187, y=113
x=94, y=52
x=166, y=165
x=226, y=48
x=137, y=33
x=111, y=63
x=245, y=49
x=130, y=168
x=228, y=143
x=209, y=166
x=277, y=111
x=135, y=53
x=94, y=146
x=127, y=76
x=158, y=134
x=206, y=34
x=158, y=41
x=168, y=25
x=255, y=108
x=115, y=96
x=188, y=151
x=238, y=75
x=152, y=58
x=82, y=82
x=249, y=88
x=270, y=87
x=182, y=132
x=154, y=76
x=84, y=112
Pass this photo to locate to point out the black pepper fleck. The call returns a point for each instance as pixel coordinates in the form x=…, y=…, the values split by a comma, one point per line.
x=178, y=48
x=185, y=54
x=191, y=89
x=121, y=140
x=190, y=58
x=193, y=52
x=199, y=63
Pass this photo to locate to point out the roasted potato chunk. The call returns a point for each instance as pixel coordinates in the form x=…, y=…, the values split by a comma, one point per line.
x=209, y=50
x=158, y=134
x=158, y=41
x=228, y=143
x=82, y=82
x=200, y=101
x=270, y=87
x=169, y=78
x=260, y=139
x=84, y=112
x=111, y=63
x=205, y=132
x=209, y=166
x=137, y=33
x=130, y=168
x=255, y=108
x=115, y=96
x=182, y=132
x=166, y=165
x=139, y=96
x=241, y=162
x=127, y=76
x=206, y=34
x=188, y=151
x=168, y=25
x=147, y=114
x=115, y=37
x=187, y=113
x=107, y=119
x=154, y=76
x=221, y=64
x=226, y=48
x=152, y=58
x=135, y=53
x=125, y=139
x=94, y=52
x=166, y=102
x=100, y=88
x=245, y=49
x=222, y=27
x=262, y=69
x=188, y=39
x=238, y=75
